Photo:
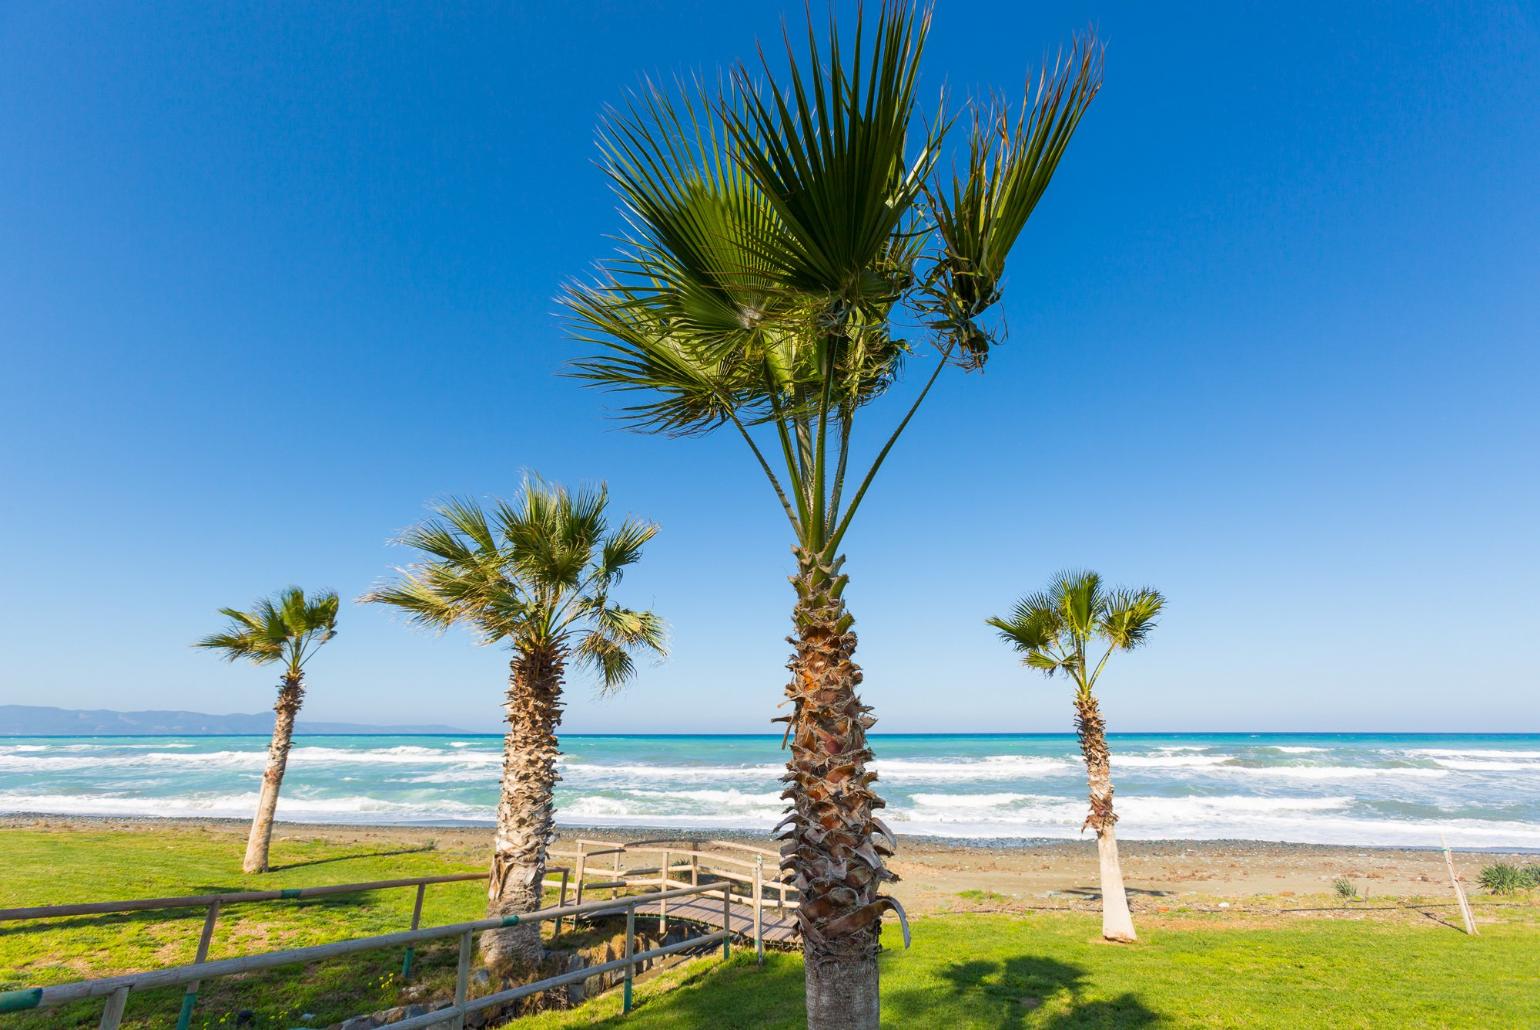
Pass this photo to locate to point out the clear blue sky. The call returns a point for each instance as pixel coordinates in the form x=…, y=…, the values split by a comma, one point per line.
x=270, y=279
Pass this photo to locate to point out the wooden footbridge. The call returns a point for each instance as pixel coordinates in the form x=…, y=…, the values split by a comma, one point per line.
x=761, y=907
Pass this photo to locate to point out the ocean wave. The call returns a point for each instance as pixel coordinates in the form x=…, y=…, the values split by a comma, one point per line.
x=1295, y=749
x=1170, y=761
x=574, y=771
x=1474, y=766
x=347, y=809
x=1444, y=752
x=1338, y=772
x=990, y=767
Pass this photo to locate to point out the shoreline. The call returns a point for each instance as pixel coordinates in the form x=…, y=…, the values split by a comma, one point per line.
x=652, y=831
x=943, y=875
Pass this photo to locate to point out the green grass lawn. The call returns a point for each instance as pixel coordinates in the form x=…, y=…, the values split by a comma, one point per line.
x=965, y=970
x=1052, y=970
x=45, y=867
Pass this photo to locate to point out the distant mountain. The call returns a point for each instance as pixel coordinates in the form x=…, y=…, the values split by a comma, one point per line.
x=37, y=720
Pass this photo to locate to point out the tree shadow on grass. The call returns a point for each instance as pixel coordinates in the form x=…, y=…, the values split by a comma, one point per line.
x=1095, y=893
x=330, y=991
x=193, y=914
x=1015, y=989
x=344, y=858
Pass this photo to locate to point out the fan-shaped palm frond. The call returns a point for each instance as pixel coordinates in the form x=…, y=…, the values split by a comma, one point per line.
x=533, y=572
x=286, y=627
x=1128, y=616
x=1053, y=628
x=780, y=223
x=982, y=212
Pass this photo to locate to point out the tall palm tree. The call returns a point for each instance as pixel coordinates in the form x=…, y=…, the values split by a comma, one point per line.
x=285, y=628
x=1054, y=630
x=791, y=244
x=535, y=574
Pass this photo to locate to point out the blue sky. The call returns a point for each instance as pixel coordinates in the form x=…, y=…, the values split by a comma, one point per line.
x=271, y=279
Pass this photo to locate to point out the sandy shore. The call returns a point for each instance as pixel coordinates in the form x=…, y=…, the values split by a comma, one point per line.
x=941, y=875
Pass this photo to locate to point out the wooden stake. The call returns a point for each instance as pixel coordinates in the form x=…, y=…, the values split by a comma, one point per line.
x=1459, y=889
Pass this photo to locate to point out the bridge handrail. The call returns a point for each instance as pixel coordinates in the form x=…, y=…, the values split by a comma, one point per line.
x=117, y=988
x=230, y=898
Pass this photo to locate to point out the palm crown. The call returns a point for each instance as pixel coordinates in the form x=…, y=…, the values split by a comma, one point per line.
x=1053, y=628
x=779, y=234
x=285, y=627
x=535, y=572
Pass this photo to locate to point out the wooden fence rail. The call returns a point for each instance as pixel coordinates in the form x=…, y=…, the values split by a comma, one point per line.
x=116, y=988
x=216, y=903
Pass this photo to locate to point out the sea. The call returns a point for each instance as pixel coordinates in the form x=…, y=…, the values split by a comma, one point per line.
x=1476, y=791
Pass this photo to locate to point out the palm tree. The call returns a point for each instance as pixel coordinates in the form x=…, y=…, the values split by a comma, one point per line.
x=290, y=629
x=535, y=574
x=1054, y=631
x=791, y=244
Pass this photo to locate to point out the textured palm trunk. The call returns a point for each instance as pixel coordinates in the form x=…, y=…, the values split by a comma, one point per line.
x=526, y=811
x=291, y=693
x=1117, y=922
x=832, y=846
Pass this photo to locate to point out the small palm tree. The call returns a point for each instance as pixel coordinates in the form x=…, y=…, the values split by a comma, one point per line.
x=534, y=574
x=792, y=245
x=285, y=628
x=1054, y=630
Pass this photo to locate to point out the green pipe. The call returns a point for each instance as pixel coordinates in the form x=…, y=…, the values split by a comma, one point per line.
x=406, y=963
x=184, y=1019
x=20, y=1001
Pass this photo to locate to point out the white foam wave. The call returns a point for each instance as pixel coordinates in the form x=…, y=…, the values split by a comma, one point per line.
x=1296, y=749
x=621, y=775
x=1170, y=761
x=1493, y=752
x=1473, y=766
x=1338, y=772
x=992, y=767
x=240, y=806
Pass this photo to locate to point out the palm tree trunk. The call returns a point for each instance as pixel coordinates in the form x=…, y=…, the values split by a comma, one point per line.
x=291, y=693
x=1117, y=922
x=831, y=845
x=526, y=811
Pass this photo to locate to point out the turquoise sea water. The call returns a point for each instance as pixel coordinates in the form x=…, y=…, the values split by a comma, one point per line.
x=1479, y=790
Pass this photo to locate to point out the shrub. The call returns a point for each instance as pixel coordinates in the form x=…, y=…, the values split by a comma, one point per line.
x=1345, y=889
x=1503, y=878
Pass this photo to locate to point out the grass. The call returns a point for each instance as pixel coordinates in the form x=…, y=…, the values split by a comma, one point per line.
x=1041, y=969
x=1052, y=970
x=59, y=866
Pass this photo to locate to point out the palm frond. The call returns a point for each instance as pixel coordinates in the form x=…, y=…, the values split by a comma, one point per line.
x=286, y=625
x=1129, y=616
x=829, y=151
x=980, y=216
x=532, y=572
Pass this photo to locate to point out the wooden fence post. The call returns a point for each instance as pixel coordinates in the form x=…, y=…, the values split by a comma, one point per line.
x=759, y=919
x=462, y=979
x=406, y=963
x=663, y=904
x=556, y=928
x=112, y=1015
x=582, y=865
x=625, y=1005
x=727, y=918
x=190, y=996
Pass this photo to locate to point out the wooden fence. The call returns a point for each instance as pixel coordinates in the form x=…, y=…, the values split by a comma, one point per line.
x=116, y=989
